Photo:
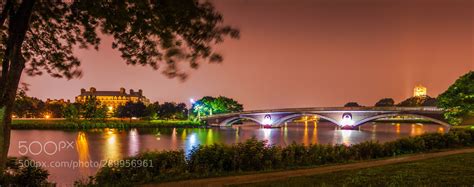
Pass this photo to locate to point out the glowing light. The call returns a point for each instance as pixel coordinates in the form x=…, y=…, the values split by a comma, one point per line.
x=419, y=91
x=441, y=130
x=305, y=134
x=47, y=116
x=347, y=120
x=266, y=135
x=134, y=144
x=82, y=148
x=111, y=148
x=346, y=137
x=191, y=142
x=192, y=101
x=210, y=138
x=110, y=108
x=267, y=120
x=315, y=134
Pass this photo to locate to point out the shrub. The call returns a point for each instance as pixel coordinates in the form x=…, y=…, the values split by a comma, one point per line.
x=20, y=172
x=254, y=155
x=154, y=166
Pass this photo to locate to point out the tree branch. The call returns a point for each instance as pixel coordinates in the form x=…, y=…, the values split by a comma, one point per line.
x=5, y=11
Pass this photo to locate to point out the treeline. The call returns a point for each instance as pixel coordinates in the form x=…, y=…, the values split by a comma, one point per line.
x=93, y=109
x=167, y=110
x=31, y=107
x=410, y=102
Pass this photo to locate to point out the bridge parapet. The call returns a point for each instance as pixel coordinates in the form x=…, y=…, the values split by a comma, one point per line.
x=341, y=116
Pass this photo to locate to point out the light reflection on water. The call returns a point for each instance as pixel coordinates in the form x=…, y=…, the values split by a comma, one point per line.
x=113, y=144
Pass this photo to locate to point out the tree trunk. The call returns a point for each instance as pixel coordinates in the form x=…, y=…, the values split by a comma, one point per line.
x=17, y=27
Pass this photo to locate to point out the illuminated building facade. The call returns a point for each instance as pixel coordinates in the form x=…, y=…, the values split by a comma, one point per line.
x=419, y=91
x=113, y=99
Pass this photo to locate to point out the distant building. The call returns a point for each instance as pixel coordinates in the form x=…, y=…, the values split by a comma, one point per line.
x=113, y=99
x=419, y=91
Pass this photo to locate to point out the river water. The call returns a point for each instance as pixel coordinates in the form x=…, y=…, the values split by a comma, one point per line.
x=59, y=150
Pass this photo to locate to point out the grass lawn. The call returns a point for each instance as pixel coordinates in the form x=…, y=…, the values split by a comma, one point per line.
x=455, y=170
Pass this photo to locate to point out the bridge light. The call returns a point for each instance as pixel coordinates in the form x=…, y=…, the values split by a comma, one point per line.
x=267, y=120
x=347, y=120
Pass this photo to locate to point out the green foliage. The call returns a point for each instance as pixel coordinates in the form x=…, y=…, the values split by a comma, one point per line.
x=210, y=105
x=458, y=100
x=385, y=102
x=92, y=109
x=450, y=170
x=155, y=33
x=72, y=112
x=20, y=172
x=253, y=155
x=55, y=109
x=131, y=109
x=172, y=111
x=167, y=111
x=159, y=166
x=418, y=101
x=29, y=107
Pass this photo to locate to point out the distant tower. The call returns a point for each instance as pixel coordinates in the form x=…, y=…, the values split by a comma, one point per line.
x=419, y=91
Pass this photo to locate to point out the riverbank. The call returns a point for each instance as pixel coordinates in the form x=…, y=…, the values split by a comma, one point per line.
x=88, y=124
x=254, y=157
x=446, y=168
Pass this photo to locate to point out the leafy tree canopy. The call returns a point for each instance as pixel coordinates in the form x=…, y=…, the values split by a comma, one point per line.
x=210, y=105
x=145, y=32
x=418, y=102
x=385, y=102
x=352, y=104
x=131, y=109
x=458, y=100
x=40, y=37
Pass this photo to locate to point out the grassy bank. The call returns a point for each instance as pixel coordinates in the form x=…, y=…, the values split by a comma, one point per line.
x=87, y=124
x=454, y=170
x=256, y=156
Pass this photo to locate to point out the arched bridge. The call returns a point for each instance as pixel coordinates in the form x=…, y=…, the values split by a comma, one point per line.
x=345, y=117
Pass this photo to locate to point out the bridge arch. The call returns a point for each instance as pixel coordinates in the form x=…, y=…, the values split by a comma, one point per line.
x=293, y=116
x=361, y=122
x=230, y=121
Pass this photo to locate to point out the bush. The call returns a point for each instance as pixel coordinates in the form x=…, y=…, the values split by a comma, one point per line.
x=254, y=155
x=150, y=166
x=18, y=174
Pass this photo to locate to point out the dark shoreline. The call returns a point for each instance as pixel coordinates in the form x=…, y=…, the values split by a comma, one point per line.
x=86, y=124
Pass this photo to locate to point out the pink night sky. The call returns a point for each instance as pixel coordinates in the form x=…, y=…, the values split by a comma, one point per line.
x=303, y=53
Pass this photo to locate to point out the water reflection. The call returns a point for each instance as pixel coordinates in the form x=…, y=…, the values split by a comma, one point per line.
x=266, y=135
x=82, y=148
x=346, y=137
x=191, y=142
x=113, y=144
x=111, y=150
x=134, y=142
x=315, y=134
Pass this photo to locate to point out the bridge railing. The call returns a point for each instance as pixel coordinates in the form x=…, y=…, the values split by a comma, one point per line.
x=328, y=109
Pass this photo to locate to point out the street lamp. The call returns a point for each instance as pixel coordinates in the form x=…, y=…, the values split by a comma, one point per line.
x=196, y=106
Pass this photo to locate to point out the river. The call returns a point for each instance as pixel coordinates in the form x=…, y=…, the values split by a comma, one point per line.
x=59, y=150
